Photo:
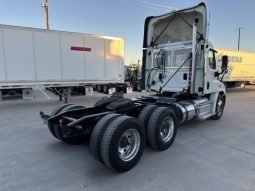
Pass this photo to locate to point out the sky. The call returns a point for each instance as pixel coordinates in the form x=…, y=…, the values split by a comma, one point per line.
x=125, y=18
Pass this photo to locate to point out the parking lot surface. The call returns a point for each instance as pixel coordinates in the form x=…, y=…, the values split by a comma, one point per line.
x=206, y=155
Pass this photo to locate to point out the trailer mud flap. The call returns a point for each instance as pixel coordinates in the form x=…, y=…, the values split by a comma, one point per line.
x=51, y=126
x=44, y=118
x=52, y=130
x=56, y=130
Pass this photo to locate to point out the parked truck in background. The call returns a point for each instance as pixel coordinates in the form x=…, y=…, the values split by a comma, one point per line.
x=56, y=59
x=179, y=65
x=133, y=76
x=241, y=69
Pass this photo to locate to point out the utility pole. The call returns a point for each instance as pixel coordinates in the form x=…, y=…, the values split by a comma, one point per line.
x=239, y=34
x=45, y=6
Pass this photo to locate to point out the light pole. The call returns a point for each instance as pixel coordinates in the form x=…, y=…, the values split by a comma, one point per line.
x=239, y=33
x=45, y=6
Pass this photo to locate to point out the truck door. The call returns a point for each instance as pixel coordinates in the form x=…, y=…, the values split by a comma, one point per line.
x=211, y=80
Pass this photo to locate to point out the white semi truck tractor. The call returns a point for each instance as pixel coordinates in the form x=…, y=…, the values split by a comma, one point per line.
x=179, y=65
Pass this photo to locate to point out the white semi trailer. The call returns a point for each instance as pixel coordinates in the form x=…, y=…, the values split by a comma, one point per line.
x=30, y=56
x=241, y=69
x=179, y=64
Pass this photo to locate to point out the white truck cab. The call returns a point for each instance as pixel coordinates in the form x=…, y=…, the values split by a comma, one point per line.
x=177, y=56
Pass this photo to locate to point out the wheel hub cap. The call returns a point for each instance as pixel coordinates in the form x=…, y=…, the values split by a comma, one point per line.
x=167, y=129
x=129, y=144
x=220, y=107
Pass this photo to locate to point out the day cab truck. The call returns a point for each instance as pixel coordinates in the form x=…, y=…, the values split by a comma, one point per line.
x=133, y=76
x=179, y=65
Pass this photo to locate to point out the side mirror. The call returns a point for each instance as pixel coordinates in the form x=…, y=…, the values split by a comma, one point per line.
x=224, y=65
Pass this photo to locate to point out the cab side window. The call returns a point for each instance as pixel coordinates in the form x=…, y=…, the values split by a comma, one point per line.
x=212, y=61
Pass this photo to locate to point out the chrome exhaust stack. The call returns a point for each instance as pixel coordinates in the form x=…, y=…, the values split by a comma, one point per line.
x=193, y=66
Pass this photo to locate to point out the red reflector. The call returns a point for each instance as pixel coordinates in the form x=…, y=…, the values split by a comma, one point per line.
x=77, y=48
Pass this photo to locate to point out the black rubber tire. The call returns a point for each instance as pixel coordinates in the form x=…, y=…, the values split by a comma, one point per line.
x=144, y=117
x=110, y=142
x=145, y=114
x=154, y=127
x=57, y=132
x=218, y=115
x=97, y=134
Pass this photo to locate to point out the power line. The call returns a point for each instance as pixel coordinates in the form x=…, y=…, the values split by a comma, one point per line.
x=139, y=4
x=148, y=4
x=156, y=4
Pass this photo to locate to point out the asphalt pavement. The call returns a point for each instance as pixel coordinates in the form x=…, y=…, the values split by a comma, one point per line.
x=206, y=155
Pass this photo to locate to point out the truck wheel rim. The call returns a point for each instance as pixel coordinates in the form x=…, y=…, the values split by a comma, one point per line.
x=167, y=129
x=220, y=106
x=129, y=144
